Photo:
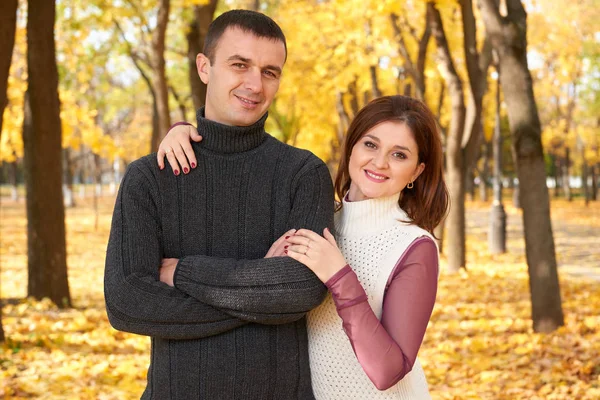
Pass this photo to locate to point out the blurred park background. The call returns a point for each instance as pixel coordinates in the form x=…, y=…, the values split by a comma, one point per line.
x=88, y=86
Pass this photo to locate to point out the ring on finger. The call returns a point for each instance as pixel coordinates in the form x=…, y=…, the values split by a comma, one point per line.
x=167, y=151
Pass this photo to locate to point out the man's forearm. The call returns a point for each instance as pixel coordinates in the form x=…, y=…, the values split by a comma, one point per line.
x=279, y=287
x=266, y=290
x=136, y=301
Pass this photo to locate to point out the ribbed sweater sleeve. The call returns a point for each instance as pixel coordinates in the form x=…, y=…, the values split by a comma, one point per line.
x=267, y=290
x=136, y=301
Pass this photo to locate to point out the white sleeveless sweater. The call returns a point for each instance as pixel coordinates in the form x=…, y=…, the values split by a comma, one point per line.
x=372, y=239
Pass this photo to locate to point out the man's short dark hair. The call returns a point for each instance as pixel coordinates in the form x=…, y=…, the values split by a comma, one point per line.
x=248, y=21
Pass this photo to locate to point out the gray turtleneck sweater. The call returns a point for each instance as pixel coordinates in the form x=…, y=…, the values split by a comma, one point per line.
x=233, y=327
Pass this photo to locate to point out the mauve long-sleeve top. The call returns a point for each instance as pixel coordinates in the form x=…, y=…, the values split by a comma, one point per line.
x=387, y=348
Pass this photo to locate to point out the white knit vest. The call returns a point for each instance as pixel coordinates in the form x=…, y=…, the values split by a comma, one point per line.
x=372, y=238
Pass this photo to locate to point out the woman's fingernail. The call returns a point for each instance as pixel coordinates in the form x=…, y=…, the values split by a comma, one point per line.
x=285, y=247
x=287, y=237
x=185, y=170
x=161, y=168
x=176, y=172
x=193, y=165
x=285, y=251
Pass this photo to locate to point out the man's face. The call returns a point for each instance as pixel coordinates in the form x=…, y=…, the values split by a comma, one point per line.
x=243, y=78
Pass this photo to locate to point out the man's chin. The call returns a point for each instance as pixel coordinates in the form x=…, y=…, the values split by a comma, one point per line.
x=247, y=118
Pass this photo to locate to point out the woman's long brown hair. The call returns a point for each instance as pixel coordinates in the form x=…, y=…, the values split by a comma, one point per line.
x=427, y=202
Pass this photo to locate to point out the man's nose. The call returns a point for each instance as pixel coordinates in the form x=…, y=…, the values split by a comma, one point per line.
x=253, y=80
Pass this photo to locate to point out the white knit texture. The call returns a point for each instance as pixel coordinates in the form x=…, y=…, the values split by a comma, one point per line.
x=372, y=240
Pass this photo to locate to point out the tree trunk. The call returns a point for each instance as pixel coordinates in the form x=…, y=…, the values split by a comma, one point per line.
x=565, y=175
x=159, y=75
x=81, y=172
x=477, y=67
x=509, y=38
x=455, y=222
x=555, y=171
x=469, y=184
x=69, y=173
x=485, y=172
x=594, y=194
x=13, y=169
x=203, y=16
x=416, y=72
x=47, y=256
x=8, y=24
x=374, y=83
x=584, y=178
x=497, y=232
x=353, y=93
x=180, y=102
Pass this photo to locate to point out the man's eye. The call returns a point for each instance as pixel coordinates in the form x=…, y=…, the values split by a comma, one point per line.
x=270, y=74
x=239, y=65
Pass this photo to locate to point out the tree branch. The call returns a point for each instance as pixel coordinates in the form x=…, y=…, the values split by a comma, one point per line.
x=491, y=16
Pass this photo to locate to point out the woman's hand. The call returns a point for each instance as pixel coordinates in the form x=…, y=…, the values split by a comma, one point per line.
x=176, y=146
x=319, y=253
x=278, y=248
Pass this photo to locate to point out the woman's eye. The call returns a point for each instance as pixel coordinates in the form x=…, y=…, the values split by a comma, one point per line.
x=400, y=156
x=370, y=145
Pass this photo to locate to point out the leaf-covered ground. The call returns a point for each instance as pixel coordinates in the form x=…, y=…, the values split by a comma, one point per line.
x=480, y=344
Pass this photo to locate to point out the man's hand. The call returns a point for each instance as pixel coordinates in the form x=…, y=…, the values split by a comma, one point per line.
x=167, y=270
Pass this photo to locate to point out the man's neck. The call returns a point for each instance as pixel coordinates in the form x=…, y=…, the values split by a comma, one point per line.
x=221, y=138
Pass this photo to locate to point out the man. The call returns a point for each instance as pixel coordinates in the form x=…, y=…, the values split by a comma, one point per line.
x=226, y=318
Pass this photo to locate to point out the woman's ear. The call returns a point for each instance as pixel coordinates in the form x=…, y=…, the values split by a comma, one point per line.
x=418, y=171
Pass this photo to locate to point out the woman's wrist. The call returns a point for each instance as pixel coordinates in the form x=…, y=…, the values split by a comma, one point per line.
x=177, y=124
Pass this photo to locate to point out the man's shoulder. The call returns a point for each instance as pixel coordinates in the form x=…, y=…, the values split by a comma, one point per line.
x=294, y=154
x=144, y=168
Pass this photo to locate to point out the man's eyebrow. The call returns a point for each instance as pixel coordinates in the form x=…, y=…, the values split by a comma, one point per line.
x=237, y=57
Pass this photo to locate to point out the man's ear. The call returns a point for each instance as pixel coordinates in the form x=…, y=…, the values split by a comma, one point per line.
x=203, y=67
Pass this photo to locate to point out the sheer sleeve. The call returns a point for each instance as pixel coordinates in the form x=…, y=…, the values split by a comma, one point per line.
x=387, y=349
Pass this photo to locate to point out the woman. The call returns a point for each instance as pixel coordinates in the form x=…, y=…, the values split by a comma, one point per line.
x=382, y=266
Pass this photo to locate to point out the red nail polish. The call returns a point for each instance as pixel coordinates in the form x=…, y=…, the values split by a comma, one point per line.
x=287, y=237
x=193, y=165
x=176, y=172
x=185, y=170
x=285, y=251
x=285, y=247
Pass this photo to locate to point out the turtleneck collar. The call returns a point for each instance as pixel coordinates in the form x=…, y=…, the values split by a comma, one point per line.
x=225, y=139
x=361, y=218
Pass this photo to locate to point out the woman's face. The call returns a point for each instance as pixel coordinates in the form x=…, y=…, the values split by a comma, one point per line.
x=383, y=162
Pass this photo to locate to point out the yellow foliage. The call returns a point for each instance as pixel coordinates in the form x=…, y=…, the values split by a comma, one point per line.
x=479, y=344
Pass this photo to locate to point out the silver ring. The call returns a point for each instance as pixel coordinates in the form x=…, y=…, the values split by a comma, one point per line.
x=167, y=151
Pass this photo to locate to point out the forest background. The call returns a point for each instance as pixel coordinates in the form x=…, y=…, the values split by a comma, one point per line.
x=88, y=86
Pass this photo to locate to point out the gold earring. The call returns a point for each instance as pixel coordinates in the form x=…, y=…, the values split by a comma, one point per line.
x=410, y=185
